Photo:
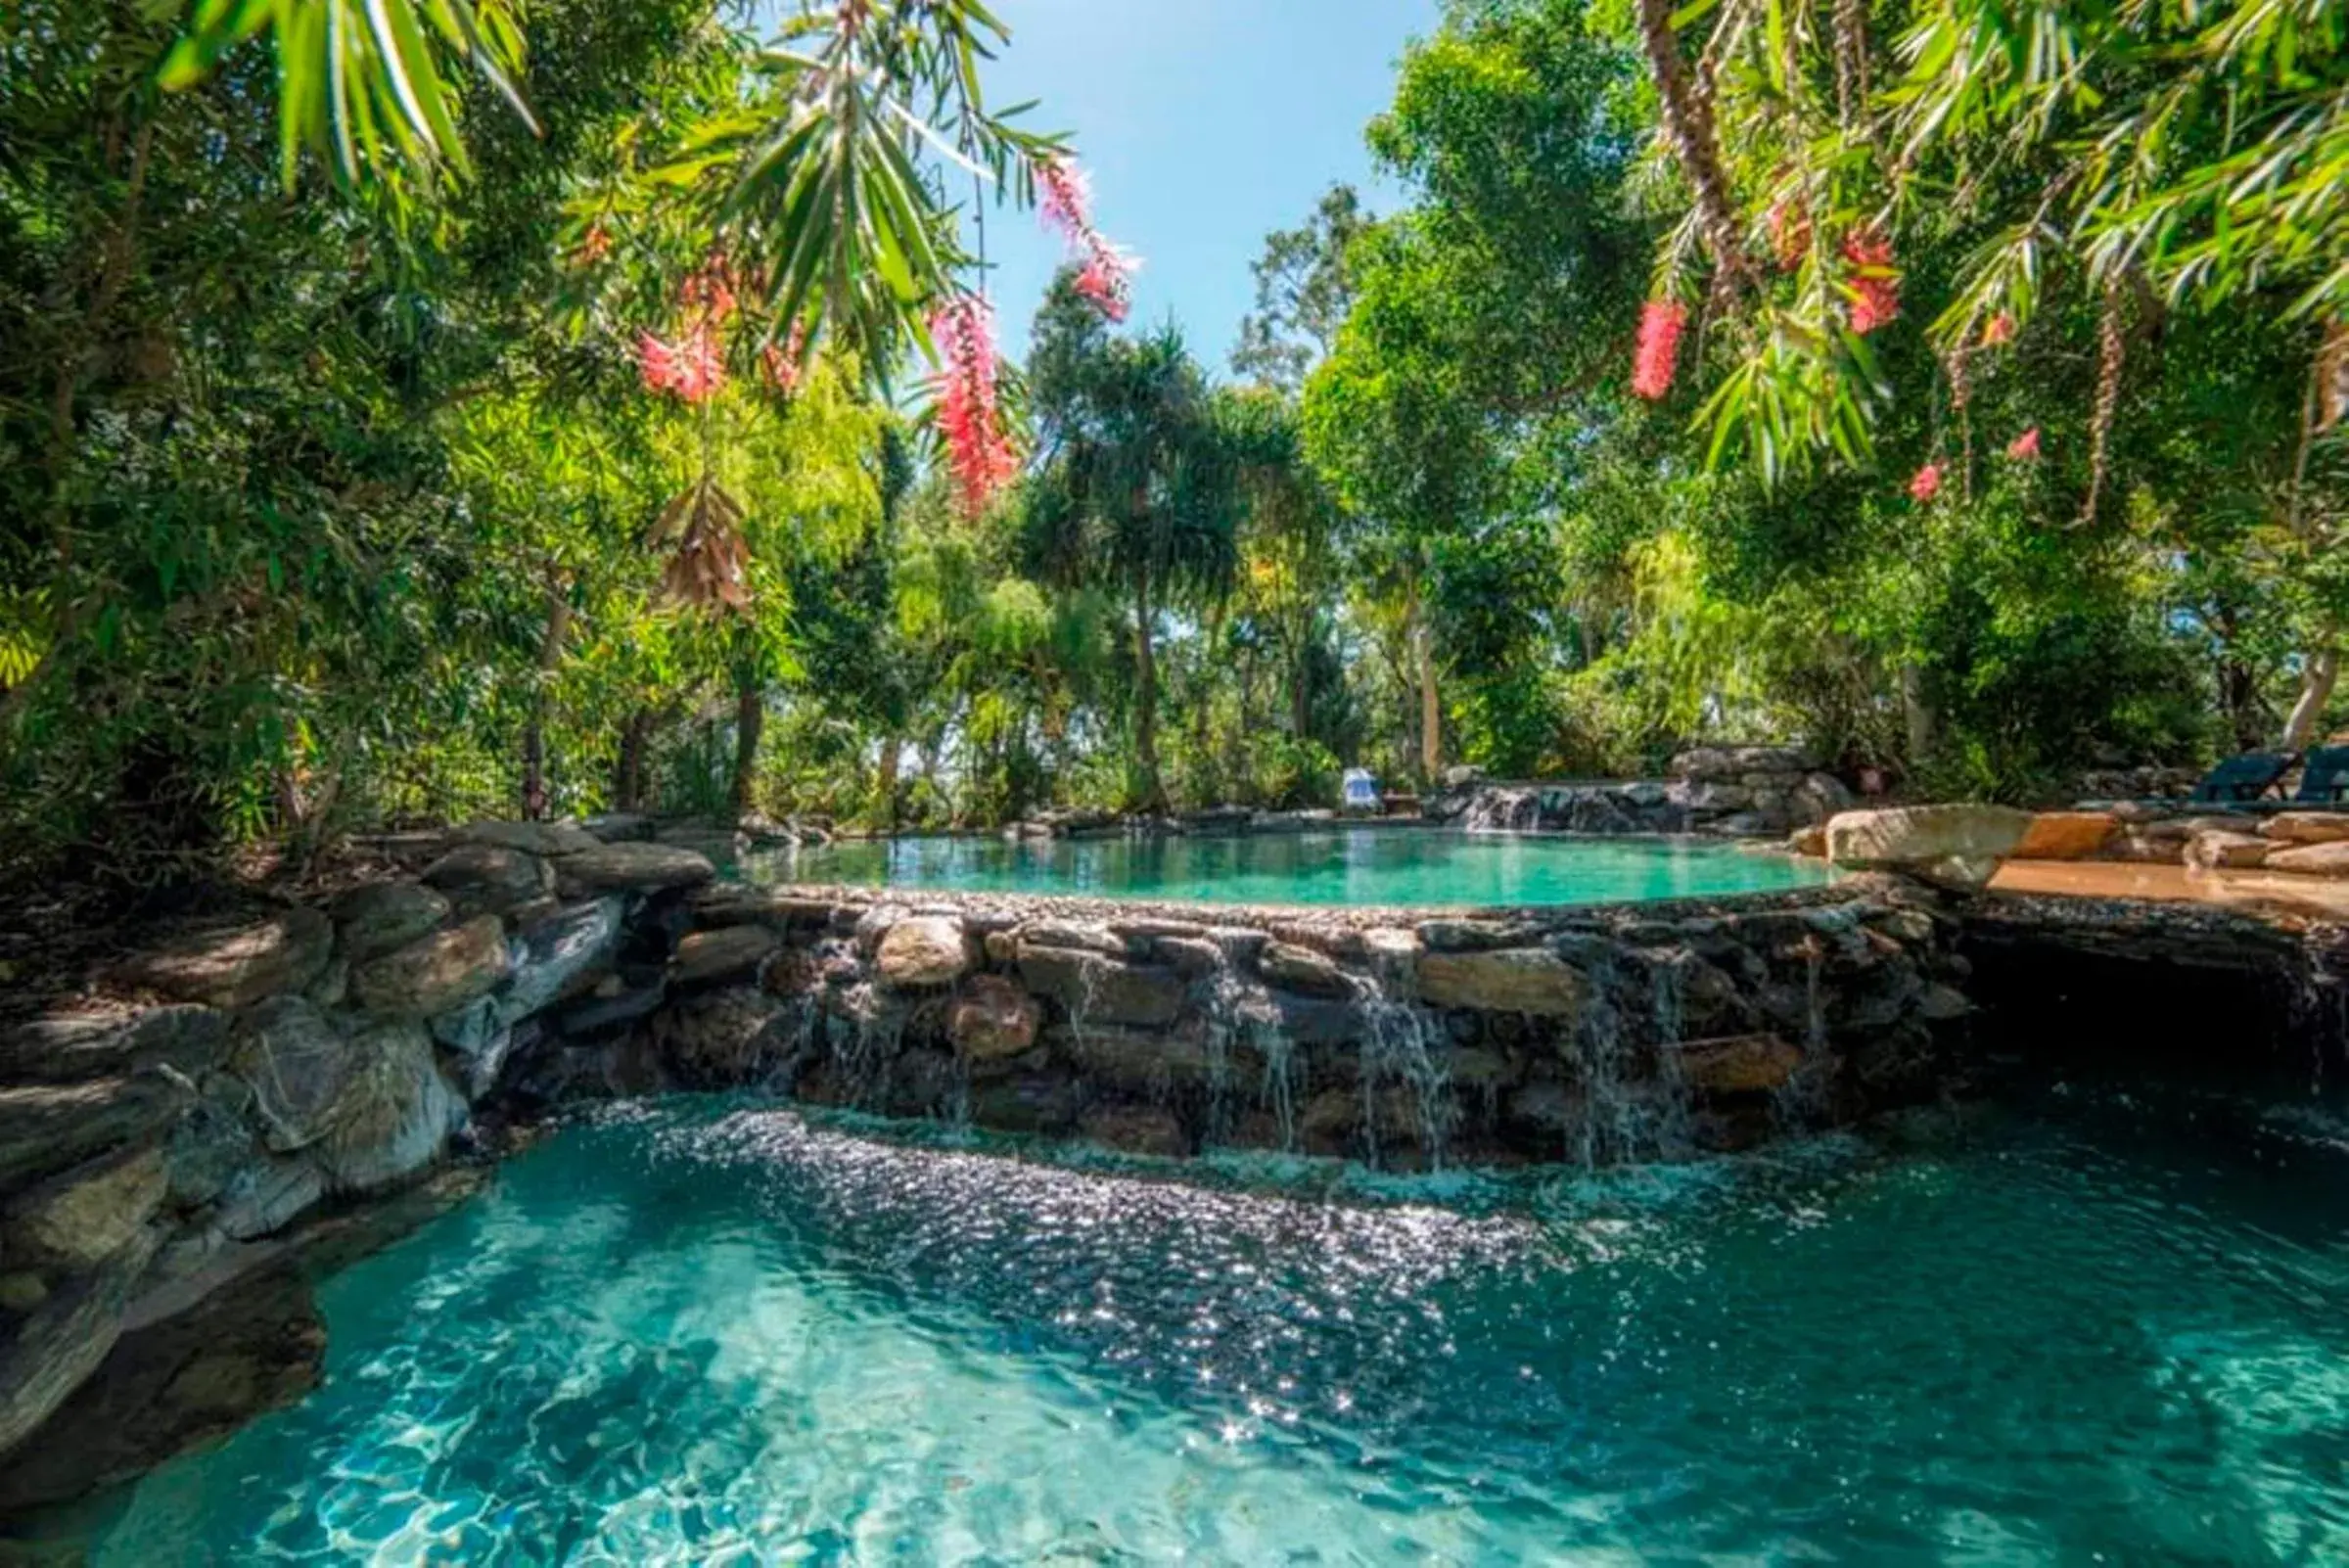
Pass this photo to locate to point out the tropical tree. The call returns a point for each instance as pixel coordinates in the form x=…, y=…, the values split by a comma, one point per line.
x=1138, y=484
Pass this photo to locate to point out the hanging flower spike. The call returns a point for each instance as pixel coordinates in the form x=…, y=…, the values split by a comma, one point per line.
x=783, y=363
x=709, y=293
x=1998, y=330
x=593, y=247
x=968, y=418
x=1067, y=200
x=2024, y=448
x=1875, y=284
x=1790, y=232
x=1107, y=279
x=1661, y=322
x=1926, y=484
x=692, y=367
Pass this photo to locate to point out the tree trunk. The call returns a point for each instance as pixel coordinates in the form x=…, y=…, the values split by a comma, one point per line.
x=750, y=724
x=2324, y=671
x=628, y=783
x=1145, y=729
x=1431, y=700
x=892, y=757
x=1916, y=714
x=534, y=736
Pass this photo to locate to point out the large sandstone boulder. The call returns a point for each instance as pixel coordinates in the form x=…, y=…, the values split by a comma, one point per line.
x=237, y=966
x=1099, y=989
x=75, y=1221
x=376, y=919
x=86, y=1039
x=2066, y=836
x=2311, y=859
x=396, y=1115
x=1532, y=981
x=1925, y=837
x=924, y=952
x=297, y=1064
x=632, y=867
x=436, y=975
x=558, y=956
x=489, y=879
x=992, y=1020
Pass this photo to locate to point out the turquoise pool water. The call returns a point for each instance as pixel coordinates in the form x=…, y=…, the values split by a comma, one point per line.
x=1344, y=866
x=707, y=1334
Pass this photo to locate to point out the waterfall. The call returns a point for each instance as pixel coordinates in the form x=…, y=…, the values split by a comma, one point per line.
x=1240, y=1011
x=1397, y=1049
x=864, y=1043
x=1505, y=811
x=1667, y=1000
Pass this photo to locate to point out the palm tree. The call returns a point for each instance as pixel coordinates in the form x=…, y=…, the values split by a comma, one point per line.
x=1139, y=486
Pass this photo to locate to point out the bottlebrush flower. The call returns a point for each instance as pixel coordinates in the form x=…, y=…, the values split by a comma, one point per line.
x=968, y=416
x=1661, y=322
x=1926, y=484
x=1790, y=232
x=1875, y=284
x=1107, y=279
x=2024, y=448
x=710, y=292
x=783, y=363
x=593, y=247
x=1067, y=200
x=692, y=367
x=2000, y=329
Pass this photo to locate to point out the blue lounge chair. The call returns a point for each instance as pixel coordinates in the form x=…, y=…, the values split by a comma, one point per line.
x=2247, y=779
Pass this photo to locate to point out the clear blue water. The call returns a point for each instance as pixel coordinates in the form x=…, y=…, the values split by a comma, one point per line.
x=707, y=1334
x=1409, y=866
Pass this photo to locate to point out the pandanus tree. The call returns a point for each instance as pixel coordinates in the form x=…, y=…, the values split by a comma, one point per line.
x=1140, y=487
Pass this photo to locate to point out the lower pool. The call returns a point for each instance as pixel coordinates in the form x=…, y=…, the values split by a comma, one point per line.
x=1403, y=866
x=713, y=1334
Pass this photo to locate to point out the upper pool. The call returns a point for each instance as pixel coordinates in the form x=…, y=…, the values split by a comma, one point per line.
x=1408, y=866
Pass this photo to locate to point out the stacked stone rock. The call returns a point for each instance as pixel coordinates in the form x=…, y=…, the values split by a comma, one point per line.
x=1728, y=790
x=238, y=1077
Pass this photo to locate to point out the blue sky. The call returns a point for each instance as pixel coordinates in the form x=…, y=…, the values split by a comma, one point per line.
x=1205, y=124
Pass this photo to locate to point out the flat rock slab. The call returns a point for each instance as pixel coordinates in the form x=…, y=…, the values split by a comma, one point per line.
x=721, y=955
x=2313, y=860
x=490, y=878
x=373, y=920
x=631, y=867
x=2066, y=836
x=77, y=1219
x=1926, y=837
x=549, y=839
x=2308, y=827
x=48, y=1126
x=237, y=966
x=104, y=1040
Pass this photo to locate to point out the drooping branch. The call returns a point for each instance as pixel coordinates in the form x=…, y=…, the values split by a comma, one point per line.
x=2112, y=357
x=1687, y=115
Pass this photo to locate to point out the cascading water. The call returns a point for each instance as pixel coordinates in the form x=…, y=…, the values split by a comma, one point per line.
x=1505, y=811
x=1401, y=1047
x=1239, y=1013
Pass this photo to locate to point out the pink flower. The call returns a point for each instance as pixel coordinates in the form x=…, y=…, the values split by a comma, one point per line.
x=692, y=367
x=1790, y=232
x=1875, y=283
x=2000, y=329
x=783, y=363
x=1067, y=200
x=2024, y=448
x=710, y=292
x=1926, y=484
x=968, y=417
x=1661, y=322
x=1107, y=279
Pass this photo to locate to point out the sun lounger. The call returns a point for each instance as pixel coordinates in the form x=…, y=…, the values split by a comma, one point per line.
x=2245, y=780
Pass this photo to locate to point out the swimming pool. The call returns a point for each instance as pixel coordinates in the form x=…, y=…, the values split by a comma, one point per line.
x=1419, y=867
x=711, y=1333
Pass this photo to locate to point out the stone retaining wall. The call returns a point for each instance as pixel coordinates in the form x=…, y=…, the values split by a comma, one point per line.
x=1727, y=791
x=169, y=1131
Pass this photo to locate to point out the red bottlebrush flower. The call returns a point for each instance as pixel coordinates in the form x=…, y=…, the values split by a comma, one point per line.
x=1107, y=279
x=783, y=363
x=1066, y=199
x=692, y=367
x=1926, y=484
x=1661, y=322
x=2000, y=329
x=709, y=293
x=1875, y=283
x=1790, y=233
x=2024, y=448
x=968, y=416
